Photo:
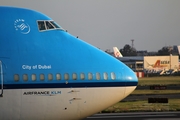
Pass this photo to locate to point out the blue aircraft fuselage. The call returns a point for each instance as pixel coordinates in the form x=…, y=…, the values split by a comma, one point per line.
x=36, y=53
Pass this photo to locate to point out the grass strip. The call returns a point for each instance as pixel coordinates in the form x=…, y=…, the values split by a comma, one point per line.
x=168, y=80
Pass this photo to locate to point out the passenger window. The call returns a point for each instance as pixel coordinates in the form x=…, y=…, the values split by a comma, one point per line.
x=42, y=77
x=82, y=76
x=113, y=76
x=105, y=76
x=25, y=77
x=98, y=76
x=33, y=77
x=48, y=25
x=41, y=25
x=58, y=76
x=90, y=76
x=50, y=76
x=74, y=76
x=66, y=76
x=16, y=77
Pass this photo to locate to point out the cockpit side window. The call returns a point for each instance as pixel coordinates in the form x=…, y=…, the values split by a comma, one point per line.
x=56, y=26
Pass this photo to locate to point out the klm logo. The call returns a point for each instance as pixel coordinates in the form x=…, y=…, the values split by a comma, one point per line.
x=55, y=92
x=21, y=26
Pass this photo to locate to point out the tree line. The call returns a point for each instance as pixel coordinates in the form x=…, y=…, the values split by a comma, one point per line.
x=128, y=50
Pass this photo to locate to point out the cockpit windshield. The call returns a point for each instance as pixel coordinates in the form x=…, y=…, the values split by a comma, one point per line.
x=48, y=25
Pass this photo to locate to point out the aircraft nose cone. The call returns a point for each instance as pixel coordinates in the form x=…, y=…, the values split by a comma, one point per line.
x=131, y=82
x=131, y=78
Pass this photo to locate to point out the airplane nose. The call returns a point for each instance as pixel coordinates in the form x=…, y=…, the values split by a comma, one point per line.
x=131, y=78
x=131, y=82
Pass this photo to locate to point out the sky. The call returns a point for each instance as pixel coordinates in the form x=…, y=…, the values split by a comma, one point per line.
x=152, y=24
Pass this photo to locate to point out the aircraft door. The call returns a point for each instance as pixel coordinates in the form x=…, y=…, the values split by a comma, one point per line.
x=1, y=80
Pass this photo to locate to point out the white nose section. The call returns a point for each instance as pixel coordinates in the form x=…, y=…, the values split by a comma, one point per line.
x=129, y=90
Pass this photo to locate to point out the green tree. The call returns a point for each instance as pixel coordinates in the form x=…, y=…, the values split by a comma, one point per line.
x=165, y=51
x=128, y=51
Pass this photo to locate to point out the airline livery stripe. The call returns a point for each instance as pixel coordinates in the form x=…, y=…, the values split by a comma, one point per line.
x=68, y=85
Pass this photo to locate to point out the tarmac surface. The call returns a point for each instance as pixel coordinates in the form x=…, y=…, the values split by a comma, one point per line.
x=169, y=87
x=145, y=97
x=136, y=116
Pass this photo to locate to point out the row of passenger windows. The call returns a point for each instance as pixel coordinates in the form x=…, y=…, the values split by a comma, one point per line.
x=65, y=76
